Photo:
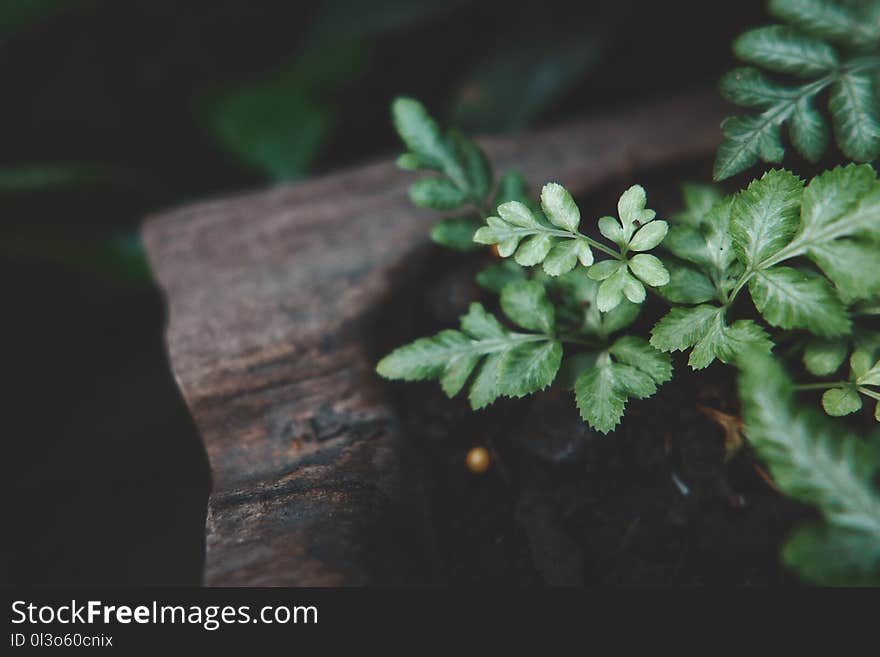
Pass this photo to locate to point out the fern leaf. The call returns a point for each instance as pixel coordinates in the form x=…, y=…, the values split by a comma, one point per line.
x=803, y=47
x=704, y=330
x=513, y=364
x=814, y=461
x=784, y=50
x=853, y=106
x=631, y=368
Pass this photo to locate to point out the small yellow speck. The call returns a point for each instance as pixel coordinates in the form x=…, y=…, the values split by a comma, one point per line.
x=478, y=460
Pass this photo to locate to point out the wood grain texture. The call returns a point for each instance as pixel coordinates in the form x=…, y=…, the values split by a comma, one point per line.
x=271, y=299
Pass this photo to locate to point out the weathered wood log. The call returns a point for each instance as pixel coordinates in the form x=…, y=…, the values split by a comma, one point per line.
x=270, y=297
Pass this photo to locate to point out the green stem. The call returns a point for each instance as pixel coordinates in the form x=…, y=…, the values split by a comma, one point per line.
x=869, y=393
x=574, y=339
x=820, y=386
x=589, y=240
x=739, y=286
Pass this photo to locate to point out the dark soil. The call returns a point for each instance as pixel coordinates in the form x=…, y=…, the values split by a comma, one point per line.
x=655, y=503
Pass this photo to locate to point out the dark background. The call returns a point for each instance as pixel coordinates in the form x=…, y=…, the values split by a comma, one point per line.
x=116, y=109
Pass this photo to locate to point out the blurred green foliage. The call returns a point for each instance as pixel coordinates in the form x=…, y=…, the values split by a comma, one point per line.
x=546, y=63
x=15, y=14
x=277, y=125
x=273, y=116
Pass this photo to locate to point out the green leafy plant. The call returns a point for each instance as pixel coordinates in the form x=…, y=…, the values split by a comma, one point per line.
x=802, y=251
x=820, y=46
x=784, y=265
x=812, y=460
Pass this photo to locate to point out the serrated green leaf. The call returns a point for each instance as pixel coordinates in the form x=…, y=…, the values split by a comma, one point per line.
x=794, y=298
x=784, y=50
x=824, y=356
x=515, y=363
x=851, y=265
x=633, y=381
x=841, y=401
x=827, y=20
x=853, y=107
x=687, y=285
x=495, y=276
x=611, y=290
x=534, y=249
x=526, y=304
x=604, y=269
x=633, y=289
x=838, y=202
x=871, y=377
x=599, y=398
x=480, y=324
x=419, y=131
x=456, y=233
x=631, y=203
x=649, y=268
x=425, y=358
x=566, y=254
x=748, y=86
x=560, y=208
x=517, y=214
x=682, y=328
x=612, y=230
x=804, y=52
x=506, y=236
x=649, y=236
x=638, y=353
x=764, y=216
x=529, y=367
x=457, y=371
x=602, y=391
x=815, y=461
x=704, y=328
x=808, y=130
x=726, y=342
x=749, y=138
x=484, y=389
x=631, y=210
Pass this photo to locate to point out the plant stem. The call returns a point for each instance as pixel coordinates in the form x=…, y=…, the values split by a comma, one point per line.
x=573, y=339
x=589, y=240
x=739, y=286
x=869, y=393
x=819, y=386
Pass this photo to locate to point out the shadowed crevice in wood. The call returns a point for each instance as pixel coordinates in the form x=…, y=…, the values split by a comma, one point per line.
x=273, y=332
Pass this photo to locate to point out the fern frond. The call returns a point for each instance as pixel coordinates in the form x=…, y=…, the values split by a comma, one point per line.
x=835, y=47
x=552, y=238
x=465, y=179
x=815, y=461
x=512, y=363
